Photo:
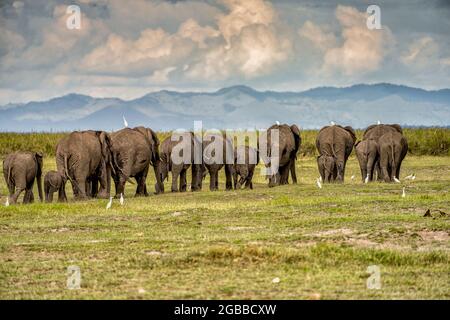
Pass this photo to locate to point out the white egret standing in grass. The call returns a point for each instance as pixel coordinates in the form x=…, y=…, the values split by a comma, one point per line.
x=411, y=177
x=352, y=177
x=403, y=193
x=396, y=180
x=366, y=180
x=125, y=123
x=318, y=183
x=121, y=199
x=7, y=202
x=108, y=206
x=320, y=179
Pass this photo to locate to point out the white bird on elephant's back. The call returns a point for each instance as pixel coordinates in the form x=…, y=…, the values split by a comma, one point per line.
x=125, y=123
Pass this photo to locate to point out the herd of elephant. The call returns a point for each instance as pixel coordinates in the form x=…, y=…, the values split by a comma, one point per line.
x=89, y=159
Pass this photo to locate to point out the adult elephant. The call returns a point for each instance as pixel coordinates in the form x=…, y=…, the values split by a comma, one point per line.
x=133, y=151
x=83, y=157
x=20, y=169
x=392, y=147
x=335, y=144
x=374, y=132
x=287, y=146
x=217, y=153
x=174, y=159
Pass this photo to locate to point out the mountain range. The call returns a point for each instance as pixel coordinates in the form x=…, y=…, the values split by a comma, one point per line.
x=235, y=107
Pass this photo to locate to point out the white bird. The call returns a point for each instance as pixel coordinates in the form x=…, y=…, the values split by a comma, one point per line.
x=125, y=123
x=320, y=179
x=352, y=177
x=108, y=206
x=378, y=122
x=278, y=123
x=411, y=177
x=121, y=199
x=7, y=202
x=318, y=183
x=332, y=123
x=366, y=180
x=403, y=193
x=396, y=180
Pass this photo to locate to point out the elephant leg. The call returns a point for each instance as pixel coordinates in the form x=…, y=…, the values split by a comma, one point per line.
x=49, y=196
x=212, y=180
x=62, y=196
x=140, y=191
x=228, y=177
x=378, y=171
x=235, y=180
x=15, y=196
x=143, y=182
x=116, y=185
x=81, y=182
x=175, y=174
x=284, y=174
x=183, y=182
x=249, y=181
x=293, y=173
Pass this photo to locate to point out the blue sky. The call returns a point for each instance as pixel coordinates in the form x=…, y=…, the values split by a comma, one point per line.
x=128, y=48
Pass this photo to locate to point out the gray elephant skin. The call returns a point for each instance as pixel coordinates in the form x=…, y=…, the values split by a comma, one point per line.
x=288, y=145
x=214, y=163
x=84, y=157
x=20, y=169
x=335, y=144
x=374, y=132
x=133, y=151
x=392, y=148
x=183, y=141
x=53, y=182
x=245, y=161
x=367, y=154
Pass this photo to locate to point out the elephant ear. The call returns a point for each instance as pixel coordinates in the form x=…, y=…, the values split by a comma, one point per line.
x=397, y=127
x=298, y=140
x=105, y=142
x=152, y=139
x=38, y=156
x=351, y=131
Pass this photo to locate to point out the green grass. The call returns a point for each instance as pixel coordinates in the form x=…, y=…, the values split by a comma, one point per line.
x=230, y=245
x=426, y=141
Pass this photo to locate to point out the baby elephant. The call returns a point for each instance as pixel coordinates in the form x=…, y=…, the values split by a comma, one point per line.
x=20, y=169
x=367, y=154
x=245, y=161
x=53, y=181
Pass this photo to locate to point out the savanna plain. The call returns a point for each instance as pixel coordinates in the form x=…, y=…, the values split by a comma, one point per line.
x=316, y=243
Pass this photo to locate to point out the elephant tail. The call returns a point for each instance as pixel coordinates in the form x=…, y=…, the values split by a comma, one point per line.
x=119, y=169
x=392, y=155
x=66, y=172
x=8, y=180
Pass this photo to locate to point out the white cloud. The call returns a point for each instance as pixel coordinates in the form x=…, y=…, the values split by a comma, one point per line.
x=421, y=53
x=317, y=35
x=362, y=50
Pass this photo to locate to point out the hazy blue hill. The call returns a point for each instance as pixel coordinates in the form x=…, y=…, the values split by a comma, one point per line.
x=236, y=107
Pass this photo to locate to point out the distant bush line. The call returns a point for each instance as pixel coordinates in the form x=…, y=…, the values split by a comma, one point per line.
x=421, y=141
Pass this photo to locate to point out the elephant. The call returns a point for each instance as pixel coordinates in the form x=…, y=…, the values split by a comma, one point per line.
x=374, y=132
x=133, y=150
x=288, y=145
x=392, y=148
x=217, y=153
x=20, y=169
x=185, y=141
x=367, y=154
x=245, y=161
x=335, y=143
x=84, y=157
x=53, y=181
